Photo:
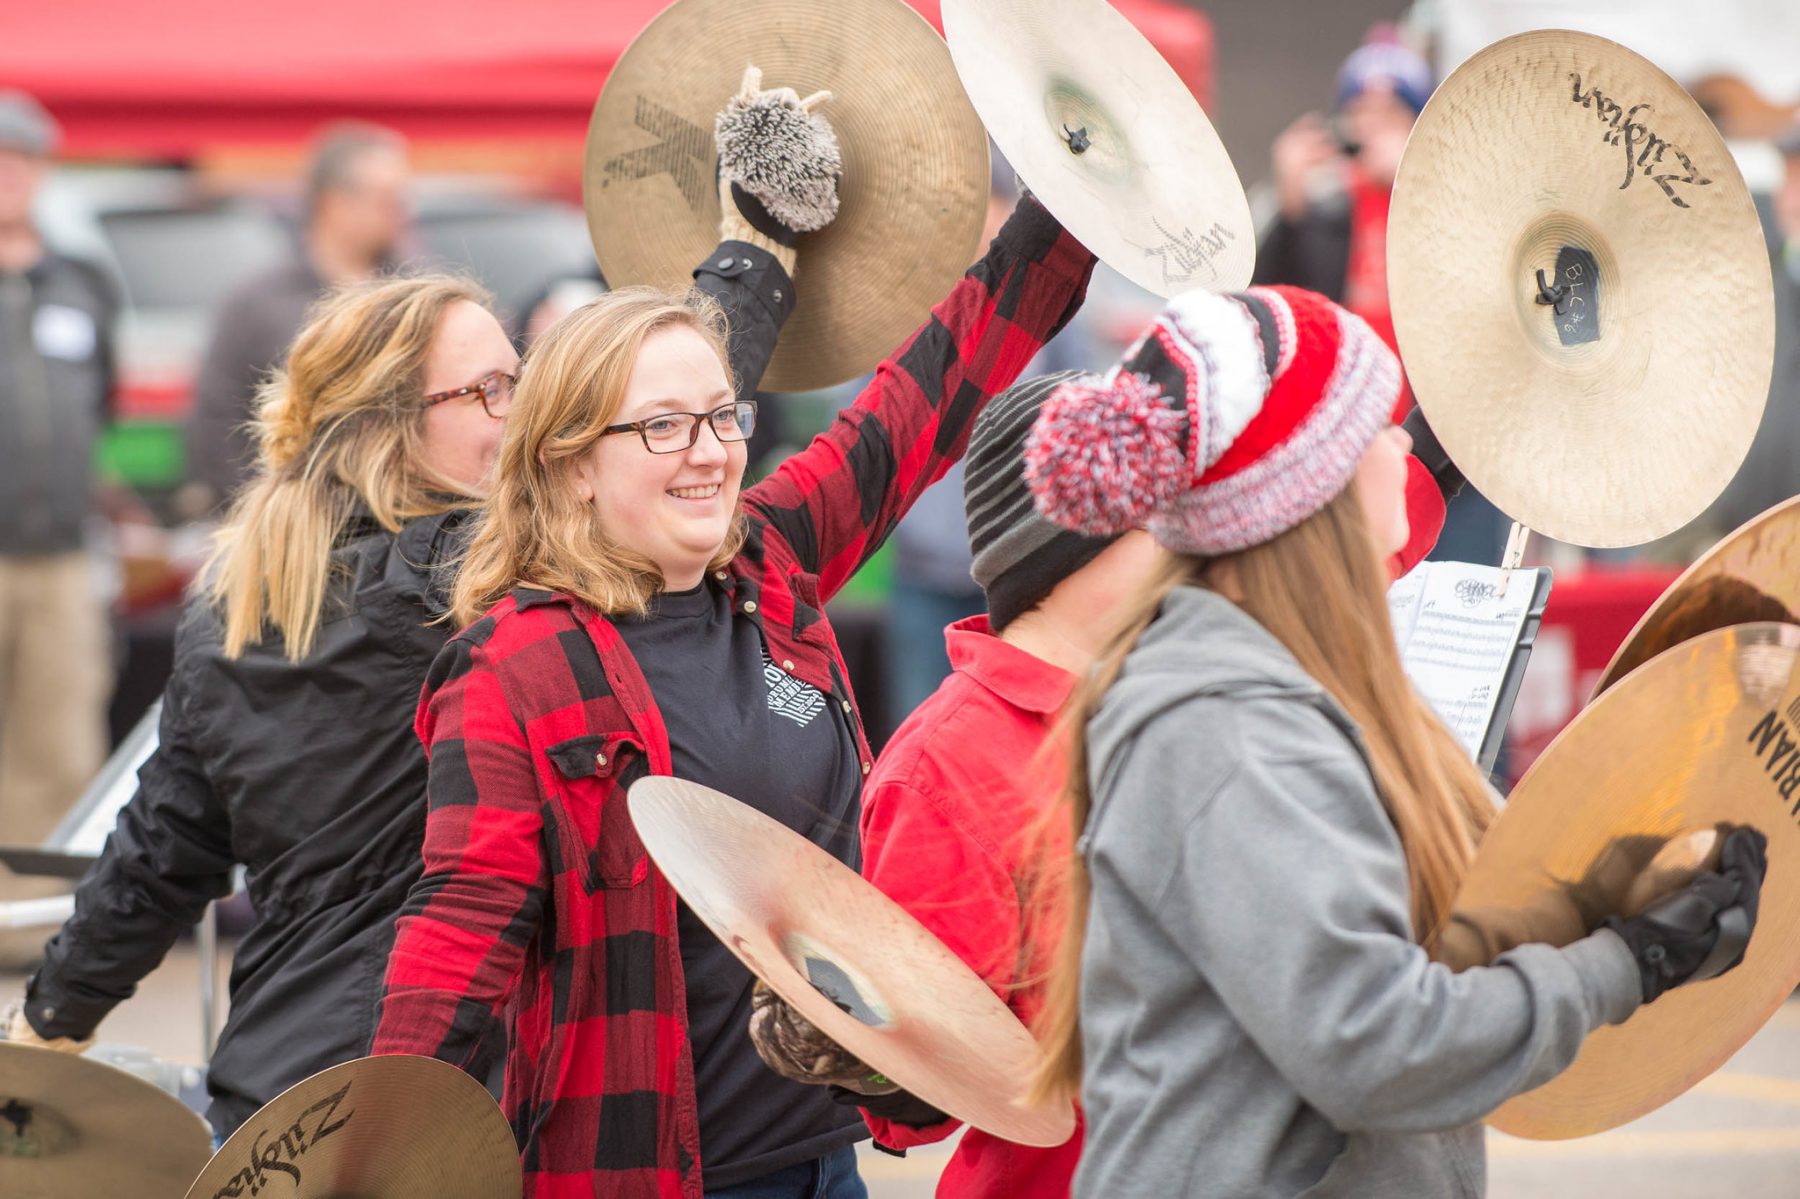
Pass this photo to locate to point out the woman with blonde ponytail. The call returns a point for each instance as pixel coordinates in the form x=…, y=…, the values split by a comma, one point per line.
x=286, y=737
x=1271, y=825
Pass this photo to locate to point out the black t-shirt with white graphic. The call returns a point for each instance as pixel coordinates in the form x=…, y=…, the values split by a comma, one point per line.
x=740, y=724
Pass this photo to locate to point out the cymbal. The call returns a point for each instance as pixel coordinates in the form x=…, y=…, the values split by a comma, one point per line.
x=390, y=1127
x=71, y=1126
x=913, y=197
x=1701, y=737
x=848, y=958
x=1617, y=413
x=1753, y=573
x=1108, y=137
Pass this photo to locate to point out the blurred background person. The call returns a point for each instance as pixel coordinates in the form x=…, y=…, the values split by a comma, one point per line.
x=1333, y=178
x=356, y=212
x=56, y=374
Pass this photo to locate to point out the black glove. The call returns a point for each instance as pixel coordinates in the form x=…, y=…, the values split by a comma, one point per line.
x=1702, y=930
x=896, y=1107
x=1427, y=449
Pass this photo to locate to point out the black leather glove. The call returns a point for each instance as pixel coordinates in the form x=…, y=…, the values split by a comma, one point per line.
x=896, y=1107
x=1427, y=449
x=1702, y=930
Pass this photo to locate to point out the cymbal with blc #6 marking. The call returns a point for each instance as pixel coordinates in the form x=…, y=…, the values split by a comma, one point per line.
x=1580, y=288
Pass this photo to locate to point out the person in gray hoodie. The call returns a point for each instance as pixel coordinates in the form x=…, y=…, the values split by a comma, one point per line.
x=1272, y=825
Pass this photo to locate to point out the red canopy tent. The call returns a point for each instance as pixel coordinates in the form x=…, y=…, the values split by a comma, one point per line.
x=185, y=79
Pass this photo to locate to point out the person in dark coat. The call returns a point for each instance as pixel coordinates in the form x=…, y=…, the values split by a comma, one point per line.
x=286, y=741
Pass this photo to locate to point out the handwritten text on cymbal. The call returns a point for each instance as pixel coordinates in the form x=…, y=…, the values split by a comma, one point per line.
x=1644, y=150
x=1184, y=253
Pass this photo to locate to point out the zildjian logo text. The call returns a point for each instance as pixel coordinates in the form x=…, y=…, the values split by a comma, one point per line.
x=282, y=1153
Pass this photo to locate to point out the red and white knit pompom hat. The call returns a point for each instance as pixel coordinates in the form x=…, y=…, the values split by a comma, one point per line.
x=1230, y=421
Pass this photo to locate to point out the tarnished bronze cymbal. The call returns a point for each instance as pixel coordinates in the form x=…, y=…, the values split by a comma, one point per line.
x=72, y=1126
x=915, y=179
x=1580, y=288
x=1704, y=737
x=1752, y=574
x=848, y=959
x=1107, y=135
x=391, y=1127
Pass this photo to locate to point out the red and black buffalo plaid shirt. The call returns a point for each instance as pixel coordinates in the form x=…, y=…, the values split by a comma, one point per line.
x=537, y=895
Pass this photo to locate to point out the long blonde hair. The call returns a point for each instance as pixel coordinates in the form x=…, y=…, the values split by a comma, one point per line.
x=535, y=530
x=1320, y=589
x=340, y=427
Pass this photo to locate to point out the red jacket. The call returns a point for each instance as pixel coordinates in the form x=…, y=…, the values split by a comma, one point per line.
x=959, y=818
x=538, y=897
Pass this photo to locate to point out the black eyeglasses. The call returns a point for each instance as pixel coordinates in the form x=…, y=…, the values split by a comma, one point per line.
x=675, y=432
x=495, y=392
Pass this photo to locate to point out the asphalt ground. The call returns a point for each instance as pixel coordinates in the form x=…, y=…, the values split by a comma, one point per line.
x=1736, y=1134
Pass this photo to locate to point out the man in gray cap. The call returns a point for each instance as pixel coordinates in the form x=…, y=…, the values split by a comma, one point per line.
x=56, y=378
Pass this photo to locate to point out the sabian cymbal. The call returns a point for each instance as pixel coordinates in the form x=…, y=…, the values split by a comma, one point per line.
x=391, y=1127
x=848, y=958
x=1704, y=736
x=73, y=1127
x=1615, y=414
x=1108, y=137
x=1752, y=574
x=915, y=178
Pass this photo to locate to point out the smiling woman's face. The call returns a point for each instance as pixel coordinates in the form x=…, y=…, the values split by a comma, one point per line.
x=675, y=509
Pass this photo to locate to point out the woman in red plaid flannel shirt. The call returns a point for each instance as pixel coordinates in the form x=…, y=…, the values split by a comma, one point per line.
x=635, y=614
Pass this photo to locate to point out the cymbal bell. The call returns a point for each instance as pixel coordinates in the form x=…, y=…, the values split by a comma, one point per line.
x=1580, y=288
x=1753, y=573
x=1107, y=135
x=1704, y=737
x=913, y=196
x=72, y=1126
x=390, y=1127
x=848, y=959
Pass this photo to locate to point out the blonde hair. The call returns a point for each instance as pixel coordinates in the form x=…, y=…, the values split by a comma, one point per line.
x=1320, y=589
x=535, y=530
x=340, y=427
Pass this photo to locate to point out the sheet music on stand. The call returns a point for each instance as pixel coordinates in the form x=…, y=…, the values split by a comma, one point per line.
x=1465, y=633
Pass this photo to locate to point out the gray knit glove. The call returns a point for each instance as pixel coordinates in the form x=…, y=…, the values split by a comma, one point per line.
x=778, y=164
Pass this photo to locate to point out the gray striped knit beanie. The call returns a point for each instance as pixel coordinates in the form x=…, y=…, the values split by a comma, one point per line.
x=1019, y=556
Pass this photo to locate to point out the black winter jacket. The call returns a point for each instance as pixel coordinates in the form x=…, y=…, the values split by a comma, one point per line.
x=310, y=776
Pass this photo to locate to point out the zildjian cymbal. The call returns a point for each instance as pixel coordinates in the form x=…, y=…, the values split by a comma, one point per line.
x=72, y=1126
x=390, y=1127
x=1702, y=738
x=913, y=196
x=1107, y=135
x=848, y=959
x=1580, y=288
x=1753, y=573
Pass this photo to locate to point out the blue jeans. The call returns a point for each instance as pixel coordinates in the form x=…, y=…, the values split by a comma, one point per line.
x=833, y=1176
